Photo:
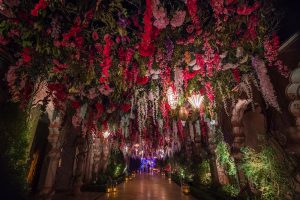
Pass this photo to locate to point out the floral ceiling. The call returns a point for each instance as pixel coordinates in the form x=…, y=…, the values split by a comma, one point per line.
x=116, y=63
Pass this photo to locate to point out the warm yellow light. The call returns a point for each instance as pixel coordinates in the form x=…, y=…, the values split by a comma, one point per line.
x=172, y=98
x=196, y=100
x=106, y=134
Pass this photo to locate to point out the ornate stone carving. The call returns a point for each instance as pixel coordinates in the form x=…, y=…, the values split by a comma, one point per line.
x=237, y=126
x=53, y=156
x=239, y=136
x=81, y=156
x=293, y=92
x=90, y=158
x=96, y=158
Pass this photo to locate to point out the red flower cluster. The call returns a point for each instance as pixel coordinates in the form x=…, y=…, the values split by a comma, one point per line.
x=220, y=11
x=75, y=105
x=142, y=80
x=146, y=48
x=125, y=107
x=41, y=5
x=209, y=91
x=59, y=92
x=236, y=75
x=200, y=62
x=26, y=55
x=271, y=46
x=251, y=28
x=247, y=10
x=107, y=60
x=100, y=109
x=58, y=66
x=129, y=55
x=192, y=8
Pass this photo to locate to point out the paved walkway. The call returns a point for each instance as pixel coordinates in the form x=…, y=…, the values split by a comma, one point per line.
x=142, y=187
x=147, y=187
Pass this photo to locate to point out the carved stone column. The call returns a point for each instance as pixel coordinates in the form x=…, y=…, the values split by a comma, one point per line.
x=53, y=157
x=90, y=159
x=105, y=155
x=239, y=137
x=96, y=157
x=293, y=93
x=212, y=154
x=81, y=156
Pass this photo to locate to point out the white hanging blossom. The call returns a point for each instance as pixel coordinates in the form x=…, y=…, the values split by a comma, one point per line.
x=154, y=100
x=255, y=82
x=160, y=125
x=178, y=78
x=142, y=110
x=125, y=125
x=249, y=91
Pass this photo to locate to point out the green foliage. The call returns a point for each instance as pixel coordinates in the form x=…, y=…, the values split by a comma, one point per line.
x=203, y=173
x=116, y=164
x=267, y=172
x=14, y=147
x=224, y=158
x=230, y=190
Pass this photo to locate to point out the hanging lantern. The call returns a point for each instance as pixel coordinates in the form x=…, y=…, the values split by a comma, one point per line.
x=183, y=115
x=196, y=100
x=172, y=98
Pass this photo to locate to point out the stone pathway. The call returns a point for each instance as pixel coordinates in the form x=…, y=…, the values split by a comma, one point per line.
x=147, y=187
x=142, y=187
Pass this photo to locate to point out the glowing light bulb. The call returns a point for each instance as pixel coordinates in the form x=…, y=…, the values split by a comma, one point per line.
x=106, y=134
x=196, y=100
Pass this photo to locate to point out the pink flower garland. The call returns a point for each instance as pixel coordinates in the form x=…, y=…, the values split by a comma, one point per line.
x=160, y=15
x=220, y=12
x=192, y=8
x=266, y=86
x=178, y=18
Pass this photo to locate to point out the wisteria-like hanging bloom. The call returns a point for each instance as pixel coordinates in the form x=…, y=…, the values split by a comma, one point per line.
x=267, y=89
x=178, y=18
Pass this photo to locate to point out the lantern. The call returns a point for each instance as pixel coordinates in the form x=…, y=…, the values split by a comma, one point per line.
x=196, y=100
x=109, y=189
x=183, y=115
x=172, y=98
x=185, y=189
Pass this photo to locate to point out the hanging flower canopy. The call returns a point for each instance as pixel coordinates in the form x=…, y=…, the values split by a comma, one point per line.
x=117, y=62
